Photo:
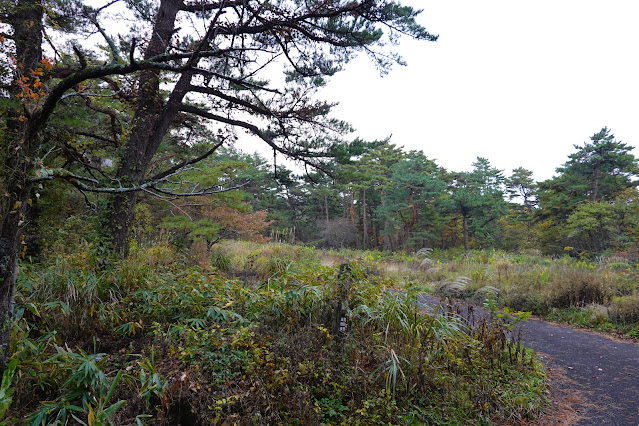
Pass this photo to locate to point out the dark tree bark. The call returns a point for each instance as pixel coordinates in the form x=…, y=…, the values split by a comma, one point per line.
x=326, y=208
x=365, y=240
x=358, y=242
x=595, y=184
x=22, y=144
x=150, y=123
x=465, y=231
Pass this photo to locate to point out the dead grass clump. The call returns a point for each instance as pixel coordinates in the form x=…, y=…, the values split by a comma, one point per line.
x=261, y=261
x=503, y=268
x=625, y=309
x=577, y=287
x=598, y=313
x=520, y=300
x=436, y=274
x=199, y=253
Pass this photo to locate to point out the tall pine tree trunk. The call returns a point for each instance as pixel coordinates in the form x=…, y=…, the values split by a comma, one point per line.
x=358, y=242
x=151, y=122
x=595, y=184
x=364, y=216
x=386, y=245
x=22, y=144
x=465, y=231
x=326, y=209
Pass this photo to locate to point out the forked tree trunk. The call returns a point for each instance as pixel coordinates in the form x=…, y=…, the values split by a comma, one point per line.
x=151, y=122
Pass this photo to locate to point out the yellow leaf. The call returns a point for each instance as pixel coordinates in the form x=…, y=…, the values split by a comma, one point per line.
x=17, y=205
x=29, y=201
x=91, y=419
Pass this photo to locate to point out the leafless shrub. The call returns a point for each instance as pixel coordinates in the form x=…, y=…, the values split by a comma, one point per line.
x=337, y=233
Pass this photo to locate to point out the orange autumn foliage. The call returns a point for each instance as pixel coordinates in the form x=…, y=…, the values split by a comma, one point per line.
x=245, y=226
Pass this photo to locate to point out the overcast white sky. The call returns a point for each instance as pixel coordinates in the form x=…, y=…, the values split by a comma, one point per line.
x=517, y=82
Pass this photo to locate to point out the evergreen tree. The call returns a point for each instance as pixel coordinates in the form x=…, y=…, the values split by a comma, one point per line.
x=599, y=171
x=478, y=197
x=409, y=202
x=521, y=185
x=602, y=168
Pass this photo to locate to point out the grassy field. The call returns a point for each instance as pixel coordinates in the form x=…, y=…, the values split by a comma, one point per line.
x=601, y=293
x=246, y=335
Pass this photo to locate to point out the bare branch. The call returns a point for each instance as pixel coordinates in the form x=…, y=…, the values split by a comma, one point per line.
x=217, y=189
x=111, y=3
x=303, y=156
x=115, y=52
x=185, y=163
x=170, y=201
x=98, y=137
x=238, y=81
x=89, y=95
x=238, y=101
x=116, y=88
x=205, y=7
x=132, y=51
x=81, y=57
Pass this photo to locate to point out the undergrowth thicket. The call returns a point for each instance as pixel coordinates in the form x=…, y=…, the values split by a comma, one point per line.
x=248, y=340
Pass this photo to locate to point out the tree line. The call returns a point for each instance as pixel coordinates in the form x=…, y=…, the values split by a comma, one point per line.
x=376, y=195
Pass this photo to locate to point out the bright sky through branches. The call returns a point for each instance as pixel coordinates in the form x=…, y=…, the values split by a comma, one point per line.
x=516, y=82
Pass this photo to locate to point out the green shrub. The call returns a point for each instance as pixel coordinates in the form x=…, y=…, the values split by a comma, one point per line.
x=519, y=300
x=221, y=261
x=619, y=265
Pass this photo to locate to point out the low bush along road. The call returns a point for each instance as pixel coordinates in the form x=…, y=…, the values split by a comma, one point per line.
x=594, y=378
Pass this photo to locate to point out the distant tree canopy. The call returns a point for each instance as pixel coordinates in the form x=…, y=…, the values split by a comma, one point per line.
x=595, y=179
x=380, y=196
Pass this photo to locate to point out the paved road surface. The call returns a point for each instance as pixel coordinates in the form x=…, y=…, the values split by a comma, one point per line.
x=601, y=371
x=595, y=377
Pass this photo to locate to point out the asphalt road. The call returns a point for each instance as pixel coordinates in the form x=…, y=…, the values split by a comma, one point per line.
x=594, y=378
x=601, y=373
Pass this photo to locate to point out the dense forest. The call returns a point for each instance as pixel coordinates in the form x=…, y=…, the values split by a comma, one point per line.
x=125, y=192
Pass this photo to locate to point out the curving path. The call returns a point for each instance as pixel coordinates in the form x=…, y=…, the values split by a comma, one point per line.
x=595, y=375
x=594, y=378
